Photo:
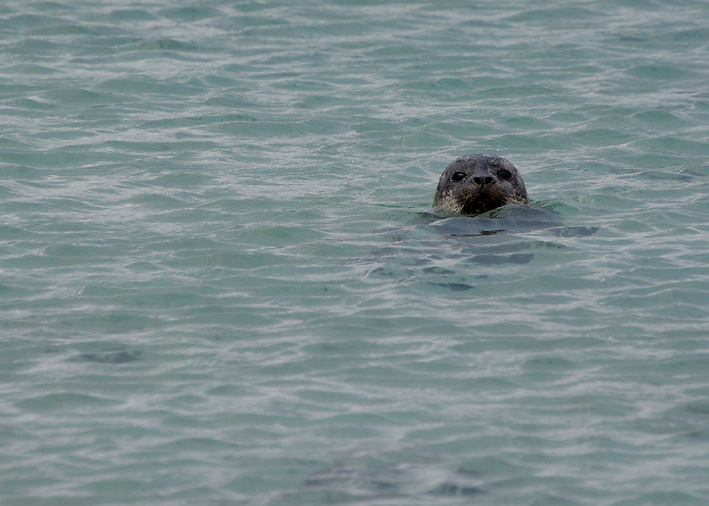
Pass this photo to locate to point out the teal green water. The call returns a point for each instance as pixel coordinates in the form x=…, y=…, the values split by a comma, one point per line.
x=222, y=283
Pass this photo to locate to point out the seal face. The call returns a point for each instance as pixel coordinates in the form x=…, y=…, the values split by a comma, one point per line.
x=476, y=184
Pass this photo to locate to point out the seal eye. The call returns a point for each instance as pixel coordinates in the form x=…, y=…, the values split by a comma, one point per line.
x=504, y=174
x=458, y=176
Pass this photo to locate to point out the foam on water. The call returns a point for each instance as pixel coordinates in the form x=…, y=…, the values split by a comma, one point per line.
x=222, y=282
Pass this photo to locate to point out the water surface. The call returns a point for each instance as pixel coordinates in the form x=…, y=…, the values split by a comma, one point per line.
x=222, y=282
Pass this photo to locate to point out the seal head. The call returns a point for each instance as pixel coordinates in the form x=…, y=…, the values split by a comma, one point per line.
x=476, y=184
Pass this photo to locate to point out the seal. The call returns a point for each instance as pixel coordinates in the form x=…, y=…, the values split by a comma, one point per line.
x=476, y=184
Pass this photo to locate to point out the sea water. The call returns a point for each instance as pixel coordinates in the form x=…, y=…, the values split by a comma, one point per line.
x=222, y=282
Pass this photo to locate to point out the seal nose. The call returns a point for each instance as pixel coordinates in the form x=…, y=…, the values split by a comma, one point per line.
x=483, y=180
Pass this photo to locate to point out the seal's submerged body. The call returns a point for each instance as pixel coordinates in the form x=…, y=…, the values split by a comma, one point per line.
x=476, y=184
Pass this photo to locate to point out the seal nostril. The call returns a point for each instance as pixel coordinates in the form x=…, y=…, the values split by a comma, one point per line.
x=483, y=180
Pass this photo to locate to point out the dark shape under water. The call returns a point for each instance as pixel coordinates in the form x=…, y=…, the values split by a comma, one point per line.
x=110, y=357
x=509, y=219
x=430, y=250
x=451, y=489
x=377, y=480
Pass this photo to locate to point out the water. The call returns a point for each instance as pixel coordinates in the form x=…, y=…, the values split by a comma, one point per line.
x=222, y=282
